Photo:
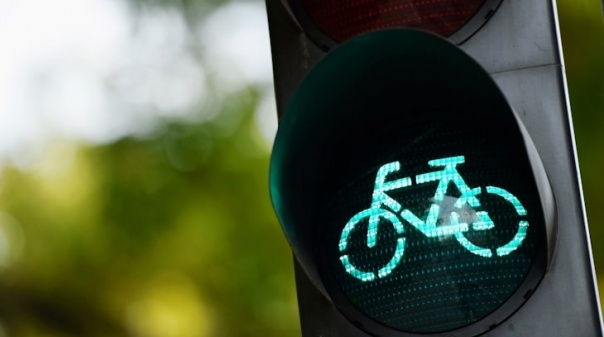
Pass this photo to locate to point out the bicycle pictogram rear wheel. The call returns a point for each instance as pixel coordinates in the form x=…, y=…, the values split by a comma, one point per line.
x=512, y=244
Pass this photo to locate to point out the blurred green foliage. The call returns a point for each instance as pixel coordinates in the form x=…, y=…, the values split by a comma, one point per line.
x=174, y=235
x=583, y=41
x=582, y=30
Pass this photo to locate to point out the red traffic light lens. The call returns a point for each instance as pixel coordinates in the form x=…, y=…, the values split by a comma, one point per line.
x=340, y=20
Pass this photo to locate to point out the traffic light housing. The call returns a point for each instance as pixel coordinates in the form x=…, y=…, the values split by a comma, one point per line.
x=406, y=103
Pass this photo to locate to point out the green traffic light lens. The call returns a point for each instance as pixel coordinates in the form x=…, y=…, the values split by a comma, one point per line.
x=435, y=228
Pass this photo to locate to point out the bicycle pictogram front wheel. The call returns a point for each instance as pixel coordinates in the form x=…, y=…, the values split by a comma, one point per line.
x=510, y=245
x=372, y=214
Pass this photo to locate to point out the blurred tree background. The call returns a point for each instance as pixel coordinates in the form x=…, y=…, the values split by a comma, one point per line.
x=169, y=231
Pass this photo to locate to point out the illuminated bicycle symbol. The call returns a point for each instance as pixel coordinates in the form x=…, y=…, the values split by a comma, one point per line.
x=449, y=174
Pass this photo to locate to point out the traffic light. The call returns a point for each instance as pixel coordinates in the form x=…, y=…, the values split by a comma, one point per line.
x=429, y=187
